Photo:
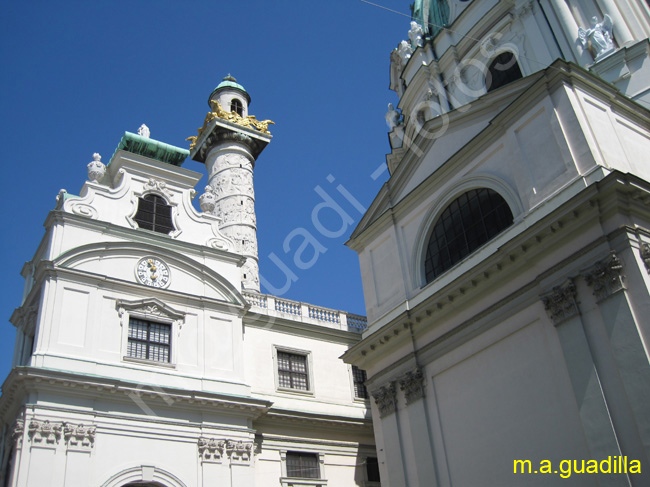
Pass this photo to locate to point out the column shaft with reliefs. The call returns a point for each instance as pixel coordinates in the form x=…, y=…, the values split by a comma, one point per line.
x=230, y=172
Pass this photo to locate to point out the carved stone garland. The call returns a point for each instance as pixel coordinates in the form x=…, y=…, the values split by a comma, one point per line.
x=79, y=436
x=605, y=277
x=44, y=433
x=212, y=450
x=560, y=303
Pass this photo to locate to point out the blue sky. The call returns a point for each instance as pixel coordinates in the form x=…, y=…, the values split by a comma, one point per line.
x=76, y=75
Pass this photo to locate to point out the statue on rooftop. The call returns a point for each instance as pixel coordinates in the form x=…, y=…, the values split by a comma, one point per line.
x=416, y=34
x=598, y=39
x=392, y=117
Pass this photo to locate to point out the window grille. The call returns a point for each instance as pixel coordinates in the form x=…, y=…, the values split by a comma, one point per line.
x=467, y=223
x=154, y=214
x=359, y=377
x=302, y=465
x=149, y=340
x=292, y=371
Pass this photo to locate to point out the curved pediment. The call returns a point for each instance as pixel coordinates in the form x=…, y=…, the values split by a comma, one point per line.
x=121, y=261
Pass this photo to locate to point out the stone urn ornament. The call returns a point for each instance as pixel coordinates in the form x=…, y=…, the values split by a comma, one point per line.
x=96, y=169
x=208, y=200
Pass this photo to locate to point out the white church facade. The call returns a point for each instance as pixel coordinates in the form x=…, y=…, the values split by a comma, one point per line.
x=146, y=354
x=514, y=349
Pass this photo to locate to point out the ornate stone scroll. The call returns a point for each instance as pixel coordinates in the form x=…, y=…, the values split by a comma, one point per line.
x=385, y=398
x=560, y=303
x=605, y=277
x=412, y=384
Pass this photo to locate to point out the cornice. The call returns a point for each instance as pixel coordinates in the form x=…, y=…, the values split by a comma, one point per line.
x=301, y=418
x=22, y=380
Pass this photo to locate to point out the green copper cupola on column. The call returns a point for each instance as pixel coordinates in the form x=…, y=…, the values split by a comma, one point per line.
x=229, y=143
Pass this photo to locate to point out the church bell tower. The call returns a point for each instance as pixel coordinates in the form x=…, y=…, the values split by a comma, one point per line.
x=229, y=143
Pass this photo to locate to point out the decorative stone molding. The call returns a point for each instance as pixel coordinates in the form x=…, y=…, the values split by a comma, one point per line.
x=96, y=168
x=79, y=436
x=645, y=255
x=211, y=450
x=44, y=433
x=240, y=452
x=412, y=384
x=158, y=186
x=148, y=307
x=560, y=303
x=385, y=399
x=17, y=433
x=605, y=277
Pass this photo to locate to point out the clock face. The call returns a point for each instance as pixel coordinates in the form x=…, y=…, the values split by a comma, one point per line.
x=153, y=272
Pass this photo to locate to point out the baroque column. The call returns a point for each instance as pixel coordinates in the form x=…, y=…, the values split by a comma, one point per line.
x=228, y=144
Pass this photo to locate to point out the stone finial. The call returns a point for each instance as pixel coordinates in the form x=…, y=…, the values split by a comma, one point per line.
x=96, y=169
x=144, y=131
x=208, y=200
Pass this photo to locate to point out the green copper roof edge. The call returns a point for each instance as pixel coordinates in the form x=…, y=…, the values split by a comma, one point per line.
x=154, y=149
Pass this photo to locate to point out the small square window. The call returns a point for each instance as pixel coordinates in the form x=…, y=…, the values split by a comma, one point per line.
x=292, y=371
x=359, y=377
x=302, y=465
x=149, y=340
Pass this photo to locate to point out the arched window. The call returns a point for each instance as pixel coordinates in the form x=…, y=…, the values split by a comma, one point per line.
x=237, y=107
x=154, y=214
x=503, y=70
x=467, y=223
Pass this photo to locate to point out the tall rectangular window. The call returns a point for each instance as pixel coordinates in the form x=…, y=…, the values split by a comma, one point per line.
x=292, y=371
x=359, y=377
x=372, y=469
x=149, y=340
x=302, y=465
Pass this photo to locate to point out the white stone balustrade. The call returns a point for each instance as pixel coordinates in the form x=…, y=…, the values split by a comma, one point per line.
x=272, y=306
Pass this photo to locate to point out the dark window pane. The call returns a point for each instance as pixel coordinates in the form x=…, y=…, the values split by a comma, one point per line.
x=148, y=340
x=359, y=377
x=154, y=214
x=372, y=469
x=302, y=465
x=503, y=70
x=292, y=371
x=467, y=223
